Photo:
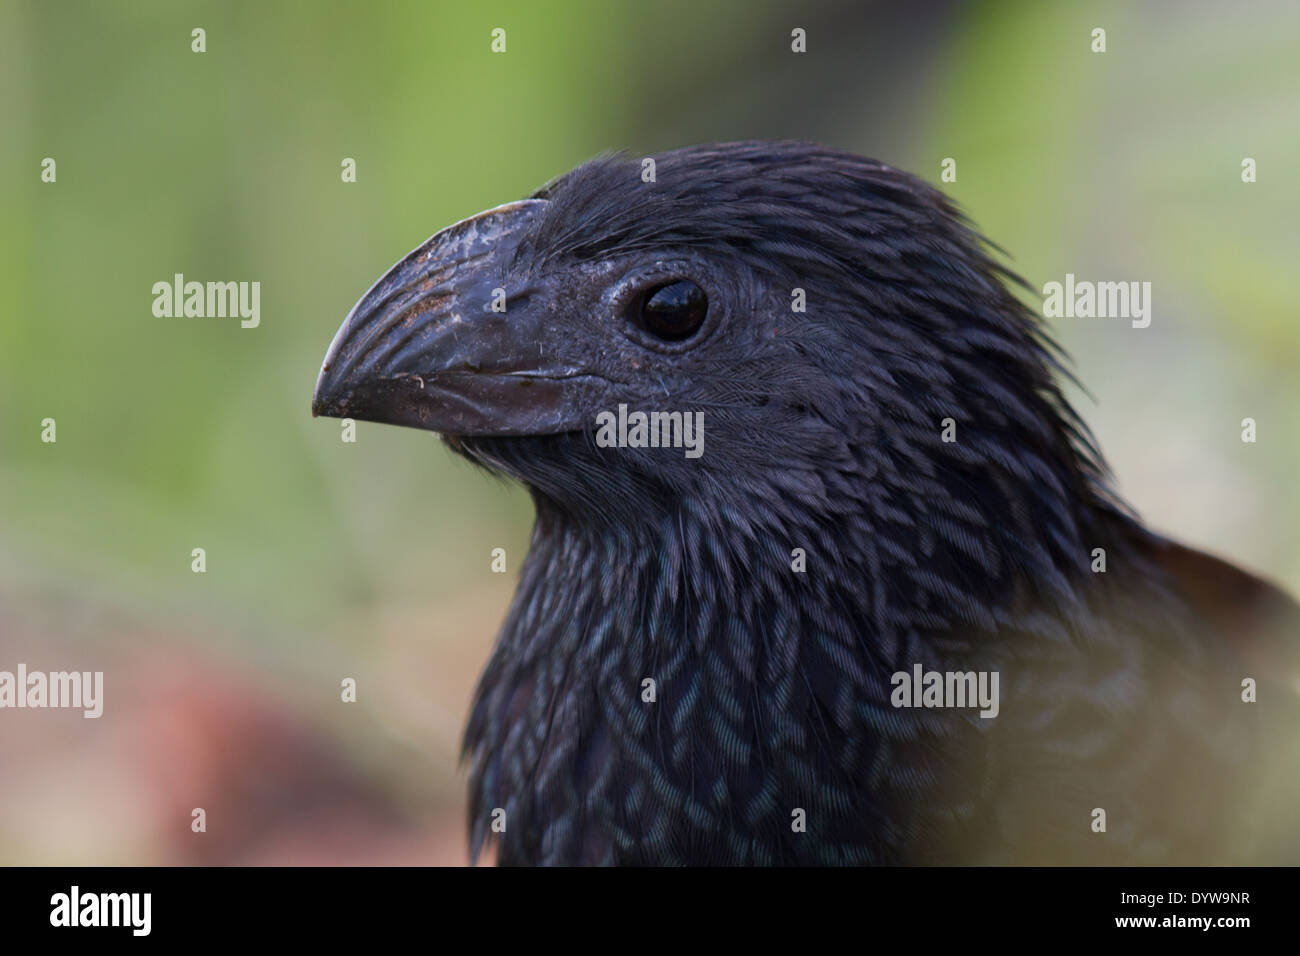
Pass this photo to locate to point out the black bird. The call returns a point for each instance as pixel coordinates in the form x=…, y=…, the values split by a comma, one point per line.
x=702, y=662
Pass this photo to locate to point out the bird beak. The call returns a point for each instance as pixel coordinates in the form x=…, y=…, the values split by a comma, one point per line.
x=430, y=347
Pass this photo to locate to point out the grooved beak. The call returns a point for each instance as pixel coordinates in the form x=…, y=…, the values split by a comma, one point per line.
x=449, y=341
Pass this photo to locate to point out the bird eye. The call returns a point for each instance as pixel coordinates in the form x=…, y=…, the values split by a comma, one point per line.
x=673, y=311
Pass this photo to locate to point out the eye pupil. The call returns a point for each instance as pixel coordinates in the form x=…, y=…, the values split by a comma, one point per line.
x=675, y=310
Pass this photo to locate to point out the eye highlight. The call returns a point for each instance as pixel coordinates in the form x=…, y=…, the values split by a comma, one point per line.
x=672, y=311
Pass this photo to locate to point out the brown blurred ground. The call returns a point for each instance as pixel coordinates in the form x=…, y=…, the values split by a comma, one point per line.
x=287, y=772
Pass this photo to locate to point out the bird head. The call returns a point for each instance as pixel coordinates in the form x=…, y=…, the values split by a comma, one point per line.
x=820, y=314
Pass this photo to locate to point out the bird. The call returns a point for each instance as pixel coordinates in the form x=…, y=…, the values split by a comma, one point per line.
x=767, y=652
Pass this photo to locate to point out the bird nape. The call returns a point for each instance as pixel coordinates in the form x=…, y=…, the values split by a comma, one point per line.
x=825, y=569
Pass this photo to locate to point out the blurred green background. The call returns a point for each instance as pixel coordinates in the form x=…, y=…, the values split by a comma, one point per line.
x=328, y=560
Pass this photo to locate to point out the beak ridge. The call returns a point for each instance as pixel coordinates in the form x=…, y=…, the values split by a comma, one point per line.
x=445, y=342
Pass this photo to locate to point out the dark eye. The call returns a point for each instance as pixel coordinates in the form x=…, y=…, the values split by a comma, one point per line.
x=673, y=311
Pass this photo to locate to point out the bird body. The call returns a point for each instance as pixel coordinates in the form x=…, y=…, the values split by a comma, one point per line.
x=706, y=657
